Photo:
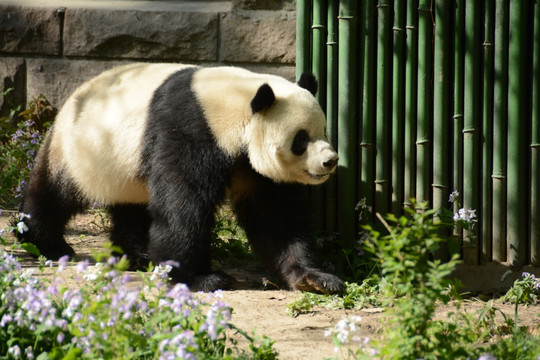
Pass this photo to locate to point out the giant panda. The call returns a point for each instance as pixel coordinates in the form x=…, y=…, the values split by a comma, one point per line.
x=162, y=145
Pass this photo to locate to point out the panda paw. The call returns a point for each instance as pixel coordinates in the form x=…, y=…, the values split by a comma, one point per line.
x=320, y=282
x=211, y=282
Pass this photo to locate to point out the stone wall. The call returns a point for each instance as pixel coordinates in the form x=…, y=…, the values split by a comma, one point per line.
x=51, y=46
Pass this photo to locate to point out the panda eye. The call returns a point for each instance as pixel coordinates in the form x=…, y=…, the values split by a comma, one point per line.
x=300, y=142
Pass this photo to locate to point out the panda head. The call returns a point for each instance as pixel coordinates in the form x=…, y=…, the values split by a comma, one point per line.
x=286, y=137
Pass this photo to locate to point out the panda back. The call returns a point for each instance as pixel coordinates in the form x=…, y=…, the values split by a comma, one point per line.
x=98, y=134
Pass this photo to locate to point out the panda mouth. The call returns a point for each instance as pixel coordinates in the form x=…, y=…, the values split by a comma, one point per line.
x=316, y=176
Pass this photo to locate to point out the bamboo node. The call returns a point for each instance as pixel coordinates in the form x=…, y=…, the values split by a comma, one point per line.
x=317, y=26
x=410, y=27
x=439, y=186
x=469, y=131
x=422, y=142
x=498, y=176
x=457, y=116
x=380, y=182
x=535, y=145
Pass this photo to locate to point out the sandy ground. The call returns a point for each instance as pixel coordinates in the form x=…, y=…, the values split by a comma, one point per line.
x=264, y=310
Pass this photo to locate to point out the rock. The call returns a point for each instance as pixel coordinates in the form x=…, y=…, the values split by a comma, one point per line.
x=248, y=37
x=163, y=35
x=12, y=75
x=28, y=30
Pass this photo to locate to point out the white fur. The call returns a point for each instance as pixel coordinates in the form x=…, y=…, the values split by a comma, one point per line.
x=105, y=119
x=226, y=94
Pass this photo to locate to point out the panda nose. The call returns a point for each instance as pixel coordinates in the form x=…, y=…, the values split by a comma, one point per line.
x=330, y=164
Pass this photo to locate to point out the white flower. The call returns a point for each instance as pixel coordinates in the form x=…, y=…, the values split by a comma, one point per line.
x=21, y=227
x=453, y=196
x=468, y=215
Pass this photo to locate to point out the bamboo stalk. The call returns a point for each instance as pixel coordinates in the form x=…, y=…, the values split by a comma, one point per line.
x=442, y=109
x=384, y=108
x=472, y=122
x=367, y=143
x=347, y=121
x=487, y=148
x=516, y=162
x=318, y=66
x=535, y=147
x=423, y=138
x=459, y=85
x=500, y=118
x=303, y=40
x=398, y=106
x=318, y=59
x=411, y=84
x=331, y=109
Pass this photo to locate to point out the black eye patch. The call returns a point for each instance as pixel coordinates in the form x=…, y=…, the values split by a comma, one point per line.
x=300, y=142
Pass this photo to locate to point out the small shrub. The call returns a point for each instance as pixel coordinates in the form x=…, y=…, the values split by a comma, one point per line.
x=19, y=146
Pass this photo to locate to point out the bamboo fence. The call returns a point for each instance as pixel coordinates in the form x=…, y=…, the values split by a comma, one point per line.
x=424, y=97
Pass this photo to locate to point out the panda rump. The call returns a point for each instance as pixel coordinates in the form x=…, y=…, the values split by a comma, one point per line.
x=162, y=145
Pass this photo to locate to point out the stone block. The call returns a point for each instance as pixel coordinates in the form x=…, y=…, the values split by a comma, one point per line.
x=58, y=78
x=163, y=35
x=264, y=5
x=12, y=75
x=25, y=30
x=249, y=37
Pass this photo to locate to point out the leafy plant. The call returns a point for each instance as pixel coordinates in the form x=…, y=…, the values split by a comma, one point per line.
x=229, y=241
x=19, y=146
x=356, y=296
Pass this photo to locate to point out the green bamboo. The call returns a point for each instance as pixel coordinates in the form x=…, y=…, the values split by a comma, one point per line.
x=347, y=121
x=425, y=31
x=303, y=39
x=487, y=145
x=384, y=108
x=367, y=143
x=516, y=164
x=411, y=84
x=442, y=109
x=398, y=106
x=472, y=122
x=500, y=118
x=459, y=86
x=535, y=147
x=331, y=109
x=318, y=58
x=442, y=99
x=318, y=66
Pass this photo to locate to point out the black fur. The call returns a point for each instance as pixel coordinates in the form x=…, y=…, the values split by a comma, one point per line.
x=129, y=231
x=263, y=99
x=308, y=82
x=275, y=218
x=50, y=202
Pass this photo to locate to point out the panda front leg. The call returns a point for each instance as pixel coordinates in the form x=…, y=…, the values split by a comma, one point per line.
x=275, y=218
x=182, y=215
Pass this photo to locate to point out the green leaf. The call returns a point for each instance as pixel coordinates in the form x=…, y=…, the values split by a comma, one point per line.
x=31, y=249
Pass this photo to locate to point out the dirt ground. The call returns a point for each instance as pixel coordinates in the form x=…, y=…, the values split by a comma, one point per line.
x=264, y=310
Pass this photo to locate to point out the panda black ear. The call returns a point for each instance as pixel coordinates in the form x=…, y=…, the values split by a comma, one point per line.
x=264, y=98
x=308, y=82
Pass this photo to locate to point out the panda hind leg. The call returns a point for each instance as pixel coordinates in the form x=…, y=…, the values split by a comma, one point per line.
x=130, y=225
x=47, y=206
